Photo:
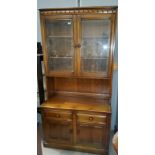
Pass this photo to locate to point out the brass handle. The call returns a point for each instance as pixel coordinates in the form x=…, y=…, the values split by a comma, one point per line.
x=90, y=118
x=77, y=46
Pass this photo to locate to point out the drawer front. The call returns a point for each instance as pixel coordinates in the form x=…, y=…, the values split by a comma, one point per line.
x=89, y=118
x=56, y=114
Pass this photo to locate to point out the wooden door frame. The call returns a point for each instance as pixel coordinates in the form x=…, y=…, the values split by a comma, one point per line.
x=112, y=43
x=98, y=126
x=49, y=73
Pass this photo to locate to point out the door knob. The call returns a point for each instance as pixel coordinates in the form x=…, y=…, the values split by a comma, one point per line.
x=90, y=118
x=77, y=46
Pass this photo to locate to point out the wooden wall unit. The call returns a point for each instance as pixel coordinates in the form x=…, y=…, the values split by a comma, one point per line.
x=78, y=46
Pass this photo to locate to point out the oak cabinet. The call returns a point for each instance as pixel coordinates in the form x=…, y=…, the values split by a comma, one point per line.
x=78, y=46
x=76, y=129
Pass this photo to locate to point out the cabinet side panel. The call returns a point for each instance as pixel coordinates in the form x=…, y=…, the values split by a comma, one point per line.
x=49, y=87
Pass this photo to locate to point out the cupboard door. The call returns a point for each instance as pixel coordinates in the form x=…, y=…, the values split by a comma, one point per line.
x=92, y=135
x=95, y=39
x=59, y=45
x=57, y=131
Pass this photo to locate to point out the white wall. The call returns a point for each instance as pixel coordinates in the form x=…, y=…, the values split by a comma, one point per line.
x=73, y=3
x=99, y=2
x=115, y=87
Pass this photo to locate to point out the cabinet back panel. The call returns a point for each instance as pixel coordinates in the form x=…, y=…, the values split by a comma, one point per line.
x=98, y=86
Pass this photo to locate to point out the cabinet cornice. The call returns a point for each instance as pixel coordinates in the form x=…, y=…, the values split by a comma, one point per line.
x=81, y=10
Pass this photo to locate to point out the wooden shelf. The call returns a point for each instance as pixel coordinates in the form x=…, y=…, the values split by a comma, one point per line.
x=77, y=103
x=81, y=57
x=60, y=57
x=60, y=36
x=94, y=37
x=95, y=58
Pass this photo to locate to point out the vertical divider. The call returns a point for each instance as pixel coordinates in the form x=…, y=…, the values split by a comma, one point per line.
x=43, y=33
x=112, y=43
x=79, y=43
x=74, y=128
x=74, y=43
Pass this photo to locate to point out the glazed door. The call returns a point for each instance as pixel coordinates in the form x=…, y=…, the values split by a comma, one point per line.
x=92, y=135
x=58, y=39
x=57, y=131
x=95, y=35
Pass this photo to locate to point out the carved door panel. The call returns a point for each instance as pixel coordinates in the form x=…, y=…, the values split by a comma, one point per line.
x=92, y=135
x=57, y=131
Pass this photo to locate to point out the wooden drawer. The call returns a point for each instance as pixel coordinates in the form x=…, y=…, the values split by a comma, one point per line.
x=59, y=115
x=89, y=118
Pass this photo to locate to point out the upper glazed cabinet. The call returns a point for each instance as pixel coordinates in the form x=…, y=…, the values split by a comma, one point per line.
x=78, y=44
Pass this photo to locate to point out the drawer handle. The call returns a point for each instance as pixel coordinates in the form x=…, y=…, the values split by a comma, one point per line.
x=58, y=116
x=91, y=118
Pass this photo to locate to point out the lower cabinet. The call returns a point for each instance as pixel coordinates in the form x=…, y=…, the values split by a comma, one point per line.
x=57, y=131
x=91, y=135
x=81, y=131
x=92, y=130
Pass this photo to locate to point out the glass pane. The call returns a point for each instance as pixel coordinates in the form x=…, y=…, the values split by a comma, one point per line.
x=59, y=27
x=94, y=65
x=95, y=45
x=59, y=45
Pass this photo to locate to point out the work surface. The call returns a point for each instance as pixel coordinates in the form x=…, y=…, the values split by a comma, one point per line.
x=77, y=103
